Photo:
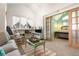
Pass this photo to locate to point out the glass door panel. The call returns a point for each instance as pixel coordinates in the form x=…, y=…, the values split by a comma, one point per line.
x=78, y=13
x=73, y=37
x=78, y=36
x=74, y=17
x=48, y=28
x=78, y=30
x=73, y=20
x=74, y=27
x=78, y=19
x=78, y=27
x=74, y=14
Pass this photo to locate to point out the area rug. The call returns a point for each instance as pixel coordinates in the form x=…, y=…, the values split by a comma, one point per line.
x=39, y=51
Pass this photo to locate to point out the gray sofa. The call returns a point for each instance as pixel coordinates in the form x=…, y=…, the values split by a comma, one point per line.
x=8, y=45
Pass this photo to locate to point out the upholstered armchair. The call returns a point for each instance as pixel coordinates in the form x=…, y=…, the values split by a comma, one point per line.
x=10, y=32
x=19, y=39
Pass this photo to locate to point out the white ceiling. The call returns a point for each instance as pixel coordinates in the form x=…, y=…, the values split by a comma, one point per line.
x=46, y=8
x=43, y=8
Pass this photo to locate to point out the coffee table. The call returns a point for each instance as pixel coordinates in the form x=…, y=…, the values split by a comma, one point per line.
x=34, y=45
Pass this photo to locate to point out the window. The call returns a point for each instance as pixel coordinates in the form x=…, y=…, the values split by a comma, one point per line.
x=15, y=20
x=21, y=22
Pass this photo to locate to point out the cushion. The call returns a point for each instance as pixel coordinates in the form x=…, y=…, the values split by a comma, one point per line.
x=3, y=39
x=14, y=53
x=10, y=46
x=8, y=37
x=2, y=52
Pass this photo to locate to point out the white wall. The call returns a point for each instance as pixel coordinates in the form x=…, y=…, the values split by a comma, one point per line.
x=19, y=10
x=2, y=17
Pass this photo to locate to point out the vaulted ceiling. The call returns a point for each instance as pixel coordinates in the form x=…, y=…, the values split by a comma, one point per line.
x=34, y=11
x=46, y=8
x=43, y=8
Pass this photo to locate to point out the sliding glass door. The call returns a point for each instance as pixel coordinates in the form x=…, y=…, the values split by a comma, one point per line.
x=48, y=35
x=74, y=27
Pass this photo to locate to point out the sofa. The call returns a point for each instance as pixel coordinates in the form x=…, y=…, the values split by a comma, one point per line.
x=8, y=45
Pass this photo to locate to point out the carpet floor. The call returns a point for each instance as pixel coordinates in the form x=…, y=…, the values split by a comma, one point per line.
x=39, y=51
x=61, y=47
x=58, y=47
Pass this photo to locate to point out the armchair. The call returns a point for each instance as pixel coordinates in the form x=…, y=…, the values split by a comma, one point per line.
x=9, y=31
x=13, y=35
x=20, y=40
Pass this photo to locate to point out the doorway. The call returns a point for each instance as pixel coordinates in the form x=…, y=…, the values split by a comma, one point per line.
x=59, y=26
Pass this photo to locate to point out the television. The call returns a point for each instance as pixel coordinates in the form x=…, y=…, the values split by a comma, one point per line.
x=38, y=30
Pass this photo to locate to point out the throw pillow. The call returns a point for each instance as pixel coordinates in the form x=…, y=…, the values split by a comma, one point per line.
x=3, y=39
x=2, y=52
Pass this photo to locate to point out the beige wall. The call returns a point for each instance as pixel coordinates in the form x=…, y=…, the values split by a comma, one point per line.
x=2, y=17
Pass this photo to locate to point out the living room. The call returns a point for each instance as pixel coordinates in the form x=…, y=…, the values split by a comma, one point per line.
x=25, y=22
